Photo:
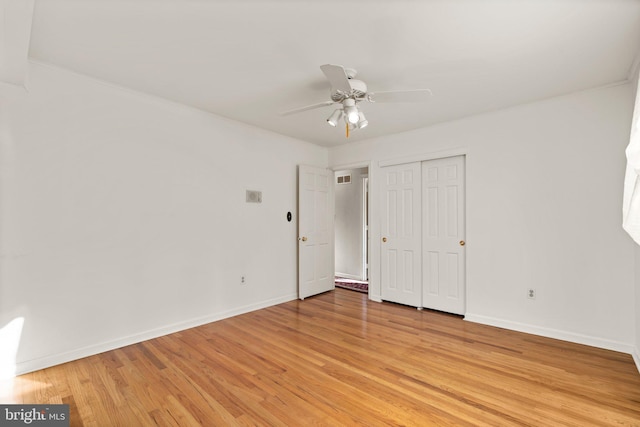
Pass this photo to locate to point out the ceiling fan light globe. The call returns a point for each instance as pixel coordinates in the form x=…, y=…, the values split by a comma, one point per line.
x=353, y=116
x=362, y=121
x=334, y=118
x=351, y=111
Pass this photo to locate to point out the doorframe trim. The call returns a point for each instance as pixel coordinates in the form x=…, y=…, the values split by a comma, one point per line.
x=433, y=155
x=359, y=165
x=365, y=227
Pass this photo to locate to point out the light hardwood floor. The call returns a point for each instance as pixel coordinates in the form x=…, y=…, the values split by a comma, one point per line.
x=338, y=359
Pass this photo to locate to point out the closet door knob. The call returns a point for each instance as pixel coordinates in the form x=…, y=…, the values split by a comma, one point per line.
x=384, y=239
x=304, y=239
x=462, y=243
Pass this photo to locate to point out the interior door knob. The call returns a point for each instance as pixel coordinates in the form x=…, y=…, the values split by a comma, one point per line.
x=304, y=239
x=384, y=239
x=462, y=243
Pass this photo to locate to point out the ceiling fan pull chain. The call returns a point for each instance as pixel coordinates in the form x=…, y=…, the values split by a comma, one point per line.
x=347, y=129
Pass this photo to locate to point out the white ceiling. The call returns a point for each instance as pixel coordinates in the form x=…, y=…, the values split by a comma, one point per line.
x=248, y=60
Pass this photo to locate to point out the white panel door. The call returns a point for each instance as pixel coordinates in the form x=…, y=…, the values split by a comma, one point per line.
x=401, y=234
x=443, y=250
x=315, y=231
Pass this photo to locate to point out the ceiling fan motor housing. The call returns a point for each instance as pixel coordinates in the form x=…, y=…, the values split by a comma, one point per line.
x=358, y=90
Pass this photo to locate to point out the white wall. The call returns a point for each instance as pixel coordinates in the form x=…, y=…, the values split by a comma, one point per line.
x=544, y=191
x=349, y=223
x=124, y=216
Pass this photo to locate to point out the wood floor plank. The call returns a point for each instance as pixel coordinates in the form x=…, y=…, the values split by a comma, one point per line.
x=339, y=359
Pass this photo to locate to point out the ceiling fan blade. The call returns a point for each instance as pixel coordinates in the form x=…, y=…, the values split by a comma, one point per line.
x=337, y=77
x=308, y=107
x=418, y=95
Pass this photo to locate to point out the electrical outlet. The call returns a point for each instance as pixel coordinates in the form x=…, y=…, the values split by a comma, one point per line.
x=242, y=280
x=531, y=294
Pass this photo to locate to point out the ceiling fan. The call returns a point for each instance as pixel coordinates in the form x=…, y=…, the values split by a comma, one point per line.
x=349, y=92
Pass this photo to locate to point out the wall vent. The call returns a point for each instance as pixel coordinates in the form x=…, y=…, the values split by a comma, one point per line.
x=344, y=179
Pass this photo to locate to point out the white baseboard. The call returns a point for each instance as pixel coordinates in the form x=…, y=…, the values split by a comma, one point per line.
x=349, y=276
x=636, y=357
x=56, y=359
x=556, y=334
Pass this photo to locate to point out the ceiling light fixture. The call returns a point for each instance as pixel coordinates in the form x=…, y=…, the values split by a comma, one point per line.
x=347, y=93
x=352, y=115
x=362, y=122
x=351, y=111
x=335, y=117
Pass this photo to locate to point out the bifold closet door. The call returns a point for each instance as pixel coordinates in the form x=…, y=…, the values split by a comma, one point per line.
x=443, y=242
x=401, y=234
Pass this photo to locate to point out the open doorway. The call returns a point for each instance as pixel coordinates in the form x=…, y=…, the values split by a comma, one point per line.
x=351, y=228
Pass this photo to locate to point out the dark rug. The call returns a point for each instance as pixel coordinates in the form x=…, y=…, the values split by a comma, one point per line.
x=351, y=284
